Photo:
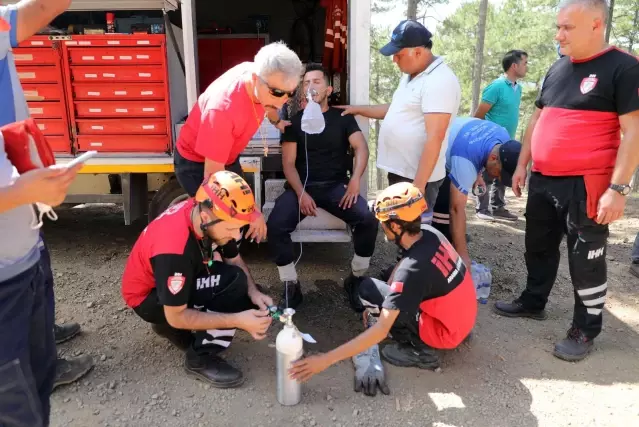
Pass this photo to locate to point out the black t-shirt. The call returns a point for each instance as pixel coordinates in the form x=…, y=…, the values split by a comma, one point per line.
x=329, y=159
x=430, y=269
x=167, y=256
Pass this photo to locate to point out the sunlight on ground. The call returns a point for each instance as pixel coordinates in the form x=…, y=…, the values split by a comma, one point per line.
x=603, y=405
x=446, y=401
x=625, y=312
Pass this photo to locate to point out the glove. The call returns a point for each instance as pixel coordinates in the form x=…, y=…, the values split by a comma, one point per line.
x=369, y=372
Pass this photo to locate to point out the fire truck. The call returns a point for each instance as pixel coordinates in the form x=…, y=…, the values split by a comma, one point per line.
x=121, y=80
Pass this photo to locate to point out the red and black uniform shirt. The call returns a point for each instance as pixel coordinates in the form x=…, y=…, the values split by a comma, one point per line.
x=578, y=131
x=168, y=256
x=433, y=284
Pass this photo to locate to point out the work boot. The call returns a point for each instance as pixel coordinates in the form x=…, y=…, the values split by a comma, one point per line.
x=516, y=309
x=634, y=269
x=485, y=215
x=351, y=287
x=212, y=369
x=65, y=332
x=407, y=355
x=504, y=214
x=574, y=347
x=292, y=291
x=178, y=337
x=68, y=371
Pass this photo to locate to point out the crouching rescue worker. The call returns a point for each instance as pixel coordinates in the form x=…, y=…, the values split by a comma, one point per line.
x=184, y=274
x=428, y=303
x=474, y=146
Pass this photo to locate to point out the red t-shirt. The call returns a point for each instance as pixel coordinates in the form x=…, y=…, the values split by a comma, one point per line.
x=223, y=121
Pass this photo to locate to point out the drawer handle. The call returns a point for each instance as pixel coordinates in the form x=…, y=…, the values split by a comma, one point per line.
x=121, y=110
x=95, y=144
x=88, y=58
x=91, y=76
x=93, y=93
x=71, y=43
x=41, y=126
x=142, y=56
x=95, y=110
x=148, y=109
x=120, y=92
x=108, y=57
x=148, y=127
x=30, y=93
x=144, y=42
x=113, y=42
x=126, y=58
x=97, y=127
x=146, y=93
x=110, y=75
x=37, y=43
x=24, y=75
x=23, y=57
x=144, y=74
x=85, y=43
x=36, y=110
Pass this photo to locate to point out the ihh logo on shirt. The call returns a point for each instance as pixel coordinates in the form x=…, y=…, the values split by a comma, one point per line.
x=208, y=282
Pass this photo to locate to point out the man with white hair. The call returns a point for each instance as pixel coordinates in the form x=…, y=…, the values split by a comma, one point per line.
x=582, y=139
x=230, y=112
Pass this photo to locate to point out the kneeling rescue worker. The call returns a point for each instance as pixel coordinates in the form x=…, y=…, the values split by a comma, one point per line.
x=180, y=277
x=428, y=303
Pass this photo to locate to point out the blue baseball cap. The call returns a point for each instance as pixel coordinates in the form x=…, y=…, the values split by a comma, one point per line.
x=509, y=156
x=408, y=33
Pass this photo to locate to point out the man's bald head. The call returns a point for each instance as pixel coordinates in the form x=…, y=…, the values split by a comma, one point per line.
x=581, y=27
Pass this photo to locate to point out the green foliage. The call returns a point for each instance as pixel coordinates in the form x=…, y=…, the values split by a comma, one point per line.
x=382, y=6
x=625, y=25
x=517, y=24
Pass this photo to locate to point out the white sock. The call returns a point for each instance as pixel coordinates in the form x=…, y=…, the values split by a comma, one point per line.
x=359, y=265
x=288, y=273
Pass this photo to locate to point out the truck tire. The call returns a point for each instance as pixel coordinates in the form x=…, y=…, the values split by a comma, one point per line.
x=168, y=195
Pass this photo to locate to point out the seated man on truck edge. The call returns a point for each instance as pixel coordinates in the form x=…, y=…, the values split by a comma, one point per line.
x=474, y=145
x=316, y=167
x=176, y=280
x=229, y=113
x=429, y=302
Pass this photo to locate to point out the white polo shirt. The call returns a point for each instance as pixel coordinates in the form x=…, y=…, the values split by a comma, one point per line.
x=402, y=134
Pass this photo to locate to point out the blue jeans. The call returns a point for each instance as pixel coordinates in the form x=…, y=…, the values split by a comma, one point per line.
x=27, y=347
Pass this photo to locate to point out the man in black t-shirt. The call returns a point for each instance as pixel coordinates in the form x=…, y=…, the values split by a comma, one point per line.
x=317, y=168
x=184, y=274
x=428, y=303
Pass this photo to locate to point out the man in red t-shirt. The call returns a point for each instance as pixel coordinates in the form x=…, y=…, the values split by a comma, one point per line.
x=428, y=303
x=229, y=113
x=184, y=275
x=581, y=170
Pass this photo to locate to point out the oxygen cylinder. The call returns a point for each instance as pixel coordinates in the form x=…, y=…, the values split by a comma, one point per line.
x=289, y=347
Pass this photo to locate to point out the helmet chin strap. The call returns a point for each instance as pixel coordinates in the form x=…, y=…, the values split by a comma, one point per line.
x=207, y=241
x=398, y=237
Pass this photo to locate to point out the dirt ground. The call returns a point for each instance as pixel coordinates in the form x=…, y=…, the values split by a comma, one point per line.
x=506, y=376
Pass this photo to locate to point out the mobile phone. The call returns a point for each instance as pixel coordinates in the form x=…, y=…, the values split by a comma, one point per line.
x=81, y=159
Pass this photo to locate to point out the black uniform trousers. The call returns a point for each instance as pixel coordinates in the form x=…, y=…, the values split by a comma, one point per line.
x=557, y=206
x=229, y=295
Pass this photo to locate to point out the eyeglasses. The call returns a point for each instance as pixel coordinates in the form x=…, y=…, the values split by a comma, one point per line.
x=278, y=93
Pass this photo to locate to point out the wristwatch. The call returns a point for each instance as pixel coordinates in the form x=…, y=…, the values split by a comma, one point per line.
x=622, y=189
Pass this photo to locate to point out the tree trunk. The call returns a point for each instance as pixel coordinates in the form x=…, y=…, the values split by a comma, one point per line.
x=411, y=12
x=635, y=22
x=479, y=53
x=609, y=26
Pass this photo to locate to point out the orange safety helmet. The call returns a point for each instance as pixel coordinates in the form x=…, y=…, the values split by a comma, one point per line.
x=229, y=197
x=401, y=201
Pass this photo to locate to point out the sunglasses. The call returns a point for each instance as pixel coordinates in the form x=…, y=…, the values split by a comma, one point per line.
x=278, y=93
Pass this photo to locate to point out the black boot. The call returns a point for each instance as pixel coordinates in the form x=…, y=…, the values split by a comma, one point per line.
x=180, y=338
x=68, y=371
x=212, y=369
x=574, y=347
x=351, y=287
x=407, y=356
x=291, y=295
x=516, y=309
x=65, y=332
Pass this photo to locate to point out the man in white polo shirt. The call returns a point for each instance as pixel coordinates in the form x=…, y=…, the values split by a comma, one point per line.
x=413, y=137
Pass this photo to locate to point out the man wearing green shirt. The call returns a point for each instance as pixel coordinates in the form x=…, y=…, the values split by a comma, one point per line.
x=500, y=104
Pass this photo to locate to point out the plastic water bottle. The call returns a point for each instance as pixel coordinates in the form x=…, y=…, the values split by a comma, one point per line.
x=484, y=289
x=475, y=272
